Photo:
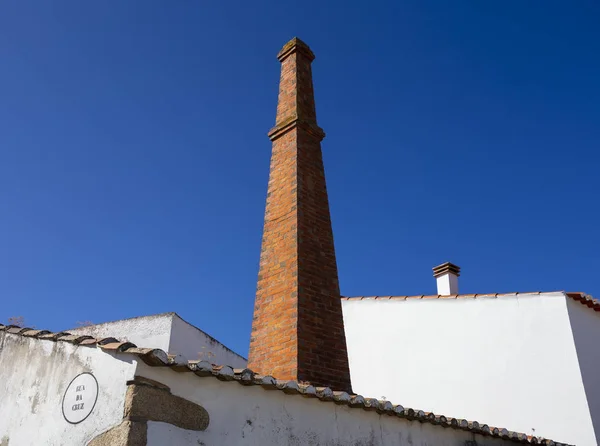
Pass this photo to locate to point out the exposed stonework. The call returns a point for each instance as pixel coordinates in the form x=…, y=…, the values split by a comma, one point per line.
x=149, y=400
x=145, y=401
x=128, y=433
x=141, y=380
x=297, y=330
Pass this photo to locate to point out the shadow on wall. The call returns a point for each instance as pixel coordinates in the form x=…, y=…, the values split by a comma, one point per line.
x=585, y=325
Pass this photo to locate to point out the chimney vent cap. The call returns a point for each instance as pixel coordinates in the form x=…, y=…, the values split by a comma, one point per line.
x=446, y=268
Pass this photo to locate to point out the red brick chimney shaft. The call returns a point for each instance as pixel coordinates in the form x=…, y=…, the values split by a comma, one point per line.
x=298, y=328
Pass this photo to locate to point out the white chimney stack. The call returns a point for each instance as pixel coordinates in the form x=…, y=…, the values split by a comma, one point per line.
x=446, y=276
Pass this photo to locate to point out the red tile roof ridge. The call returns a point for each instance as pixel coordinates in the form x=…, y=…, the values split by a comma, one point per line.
x=579, y=296
x=159, y=358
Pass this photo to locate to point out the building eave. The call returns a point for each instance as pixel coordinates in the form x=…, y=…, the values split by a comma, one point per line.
x=159, y=358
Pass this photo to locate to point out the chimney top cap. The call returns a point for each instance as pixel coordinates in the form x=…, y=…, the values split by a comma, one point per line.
x=295, y=45
x=446, y=268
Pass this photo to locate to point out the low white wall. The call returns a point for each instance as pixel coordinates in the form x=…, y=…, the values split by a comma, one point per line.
x=586, y=331
x=144, y=331
x=193, y=343
x=170, y=333
x=34, y=375
x=508, y=362
x=252, y=416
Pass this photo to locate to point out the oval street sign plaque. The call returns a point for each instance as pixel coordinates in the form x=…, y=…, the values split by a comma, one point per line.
x=80, y=398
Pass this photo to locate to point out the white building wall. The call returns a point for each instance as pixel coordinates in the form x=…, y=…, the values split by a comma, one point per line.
x=253, y=416
x=193, y=343
x=585, y=324
x=34, y=375
x=170, y=333
x=144, y=331
x=508, y=361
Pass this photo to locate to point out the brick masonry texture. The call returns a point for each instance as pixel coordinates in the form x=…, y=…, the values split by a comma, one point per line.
x=298, y=330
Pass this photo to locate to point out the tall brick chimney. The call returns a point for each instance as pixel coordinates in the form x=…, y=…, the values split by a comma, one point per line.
x=298, y=328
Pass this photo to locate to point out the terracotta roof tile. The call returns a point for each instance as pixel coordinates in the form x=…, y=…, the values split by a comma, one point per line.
x=583, y=298
x=103, y=341
x=35, y=333
x=117, y=346
x=76, y=339
x=54, y=336
x=246, y=377
x=16, y=329
x=151, y=356
x=178, y=363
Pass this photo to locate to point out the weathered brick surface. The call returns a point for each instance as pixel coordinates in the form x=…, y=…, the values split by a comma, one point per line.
x=298, y=330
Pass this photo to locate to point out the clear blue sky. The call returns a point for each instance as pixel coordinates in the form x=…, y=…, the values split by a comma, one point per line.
x=134, y=157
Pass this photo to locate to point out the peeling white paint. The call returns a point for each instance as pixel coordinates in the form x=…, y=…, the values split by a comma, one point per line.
x=253, y=416
x=508, y=361
x=34, y=375
x=161, y=434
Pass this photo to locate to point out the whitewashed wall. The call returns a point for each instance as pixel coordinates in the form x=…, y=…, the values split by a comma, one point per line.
x=34, y=375
x=144, y=331
x=586, y=331
x=193, y=343
x=253, y=416
x=170, y=333
x=509, y=361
